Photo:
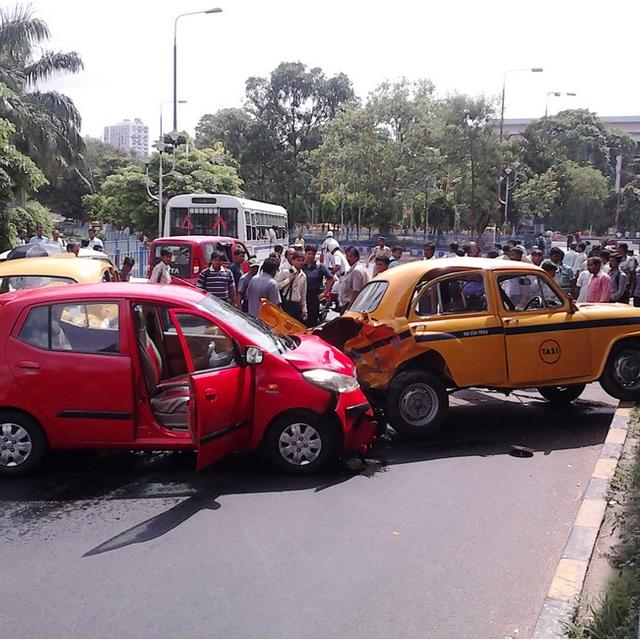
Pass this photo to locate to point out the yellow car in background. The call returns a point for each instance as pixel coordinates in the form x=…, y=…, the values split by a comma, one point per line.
x=65, y=268
x=425, y=329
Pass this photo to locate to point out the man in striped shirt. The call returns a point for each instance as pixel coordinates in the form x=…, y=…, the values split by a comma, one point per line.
x=218, y=281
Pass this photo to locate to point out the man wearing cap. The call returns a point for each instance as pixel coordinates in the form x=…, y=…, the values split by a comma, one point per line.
x=380, y=249
x=244, y=281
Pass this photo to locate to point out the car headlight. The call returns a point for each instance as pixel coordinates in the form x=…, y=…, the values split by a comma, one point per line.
x=331, y=381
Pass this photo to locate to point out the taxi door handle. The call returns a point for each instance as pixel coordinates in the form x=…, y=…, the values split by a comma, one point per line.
x=27, y=364
x=510, y=320
x=210, y=394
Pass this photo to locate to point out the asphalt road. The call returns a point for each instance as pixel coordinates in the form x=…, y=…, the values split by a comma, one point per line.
x=456, y=538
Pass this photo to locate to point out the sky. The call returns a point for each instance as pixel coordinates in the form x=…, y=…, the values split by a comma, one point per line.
x=584, y=47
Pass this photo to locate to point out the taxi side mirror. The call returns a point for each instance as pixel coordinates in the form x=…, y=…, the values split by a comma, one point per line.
x=572, y=306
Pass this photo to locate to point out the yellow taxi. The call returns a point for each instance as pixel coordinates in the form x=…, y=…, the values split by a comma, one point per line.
x=425, y=329
x=61, y=269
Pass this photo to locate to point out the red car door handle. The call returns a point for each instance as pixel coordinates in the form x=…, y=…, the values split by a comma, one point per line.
x=27, y=364
x=210, y=394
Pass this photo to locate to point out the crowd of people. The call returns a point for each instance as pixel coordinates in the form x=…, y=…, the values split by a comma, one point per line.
x=587, y=272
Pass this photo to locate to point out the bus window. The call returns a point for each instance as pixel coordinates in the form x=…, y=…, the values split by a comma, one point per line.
x=219, y=221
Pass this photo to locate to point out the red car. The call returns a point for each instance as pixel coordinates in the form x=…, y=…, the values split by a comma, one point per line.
x=191, y=254
x=142, y=366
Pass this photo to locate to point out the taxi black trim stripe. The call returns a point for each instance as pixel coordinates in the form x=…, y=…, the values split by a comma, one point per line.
x=481, y=331
x=96, y=415
x=223, y=432
x=569, y=326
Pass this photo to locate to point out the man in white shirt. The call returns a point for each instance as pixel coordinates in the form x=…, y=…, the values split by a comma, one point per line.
x=39, y=238
x=580, y=261
x=570, y=256
x=22, y=236
x=56, y=238
x=160, y=273
x=355, y=278
x=286, y=264
x=95, y=242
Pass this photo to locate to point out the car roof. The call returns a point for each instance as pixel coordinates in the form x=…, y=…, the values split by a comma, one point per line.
x=403, y=279
x=171, y=293
x=194, y=239
x=422, y=267
x=64, y=265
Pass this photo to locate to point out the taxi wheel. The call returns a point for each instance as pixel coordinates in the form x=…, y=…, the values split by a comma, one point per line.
x=417, y=404
x=22, y=444
x=621, y=377
x=560, y=396
x=300, y=443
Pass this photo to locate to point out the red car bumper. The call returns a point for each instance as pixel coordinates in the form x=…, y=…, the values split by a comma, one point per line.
x=357, y=418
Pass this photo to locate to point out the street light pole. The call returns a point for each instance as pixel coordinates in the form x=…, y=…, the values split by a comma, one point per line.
x=504, y=86
x=556, y=94
x=175, y=60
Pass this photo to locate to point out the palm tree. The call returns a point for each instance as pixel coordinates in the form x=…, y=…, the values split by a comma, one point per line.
x=47, y=123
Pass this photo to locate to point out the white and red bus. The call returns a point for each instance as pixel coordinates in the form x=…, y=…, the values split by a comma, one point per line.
x=259, y=225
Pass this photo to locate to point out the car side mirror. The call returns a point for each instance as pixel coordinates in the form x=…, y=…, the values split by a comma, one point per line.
x=253, y=355
x=573, y=307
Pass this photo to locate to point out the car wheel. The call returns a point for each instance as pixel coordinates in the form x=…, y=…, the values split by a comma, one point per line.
x=300, y=443
x=22, y=444
x=560, y=396
x=621, y=377
x=417, y=404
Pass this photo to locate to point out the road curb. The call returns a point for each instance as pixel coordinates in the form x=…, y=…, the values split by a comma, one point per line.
x=570, y=573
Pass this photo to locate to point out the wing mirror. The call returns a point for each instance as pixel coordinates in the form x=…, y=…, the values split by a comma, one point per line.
x=253, y=355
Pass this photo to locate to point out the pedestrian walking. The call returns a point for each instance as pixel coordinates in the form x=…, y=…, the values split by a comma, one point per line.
x=94, y=242
x=263, y=286
x=236, y=265
x=599, y=286
x=22, y=236
x=380, y=249
x=218, y=281
x=319, y=283
x=564, y=274
x=293, y=288
x=56, y=238
x=244, y=281
x=355, y=278
x=161, y=273
x=125, y=272
x=396, y=255
x=39, y=238
x=619, y=280
x=429, y=251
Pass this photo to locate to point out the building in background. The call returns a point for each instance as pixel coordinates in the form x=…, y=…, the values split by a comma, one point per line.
x=129, y=135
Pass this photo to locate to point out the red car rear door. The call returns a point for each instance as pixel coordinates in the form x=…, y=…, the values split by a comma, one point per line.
x=222, y=389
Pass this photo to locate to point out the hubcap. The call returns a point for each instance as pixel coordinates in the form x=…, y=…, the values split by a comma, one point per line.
x=300, y=444
x=15, y=444
x=626, y=369
x=418, y=404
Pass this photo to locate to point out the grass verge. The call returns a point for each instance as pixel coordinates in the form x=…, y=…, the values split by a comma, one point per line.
x=615, y=615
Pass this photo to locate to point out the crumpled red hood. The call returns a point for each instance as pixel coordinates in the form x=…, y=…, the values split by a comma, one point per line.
x=315, y=353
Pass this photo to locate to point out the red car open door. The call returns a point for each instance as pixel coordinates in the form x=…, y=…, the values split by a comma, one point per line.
x=222, y=395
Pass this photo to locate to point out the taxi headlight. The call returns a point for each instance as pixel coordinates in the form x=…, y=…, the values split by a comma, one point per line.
x=331, y=381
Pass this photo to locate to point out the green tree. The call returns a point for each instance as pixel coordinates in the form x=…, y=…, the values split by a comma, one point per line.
x=123, y=197
x=584, y=193
x=539, y=194
x=19, y=176
x=47, y=124
x=232, y=127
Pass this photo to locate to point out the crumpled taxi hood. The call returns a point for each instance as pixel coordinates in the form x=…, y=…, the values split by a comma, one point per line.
x=315, y=353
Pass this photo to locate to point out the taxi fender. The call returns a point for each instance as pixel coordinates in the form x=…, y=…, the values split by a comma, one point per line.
x=627, y=337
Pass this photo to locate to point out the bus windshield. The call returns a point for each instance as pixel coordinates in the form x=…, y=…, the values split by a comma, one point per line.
x=205, y=221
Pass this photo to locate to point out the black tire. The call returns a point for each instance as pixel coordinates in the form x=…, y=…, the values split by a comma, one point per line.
x=18, y=432
x=417, y=404
x=562, y=396
x=317, y=439
x=621, y=375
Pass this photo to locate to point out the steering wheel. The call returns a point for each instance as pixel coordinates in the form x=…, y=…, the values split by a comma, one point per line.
x=535, y=303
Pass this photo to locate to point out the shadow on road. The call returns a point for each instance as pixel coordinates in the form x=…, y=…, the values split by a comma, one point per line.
x=483, y=427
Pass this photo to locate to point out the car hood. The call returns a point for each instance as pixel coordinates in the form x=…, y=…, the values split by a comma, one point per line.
x=314, y=353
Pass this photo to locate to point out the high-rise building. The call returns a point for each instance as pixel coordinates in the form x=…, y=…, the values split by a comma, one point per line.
x=129, y=135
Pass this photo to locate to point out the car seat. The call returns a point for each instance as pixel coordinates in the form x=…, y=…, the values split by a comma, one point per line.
x=169, y=399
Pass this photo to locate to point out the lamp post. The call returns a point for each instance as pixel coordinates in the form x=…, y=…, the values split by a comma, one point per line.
x=504, y=85
x=556, y=94
x=510, y=183
x=160, y=147
x=175, y=60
